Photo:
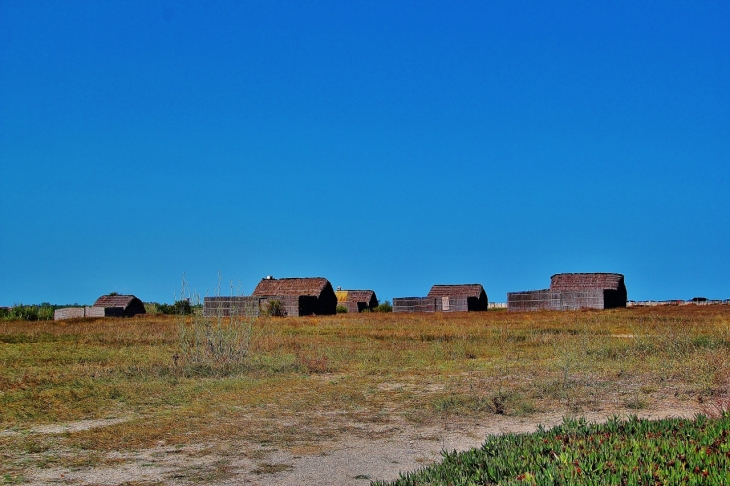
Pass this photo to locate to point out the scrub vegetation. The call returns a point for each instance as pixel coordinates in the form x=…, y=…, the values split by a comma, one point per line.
x=290, y=382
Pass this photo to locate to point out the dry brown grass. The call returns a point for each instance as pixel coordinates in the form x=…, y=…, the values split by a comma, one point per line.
x=310, y=379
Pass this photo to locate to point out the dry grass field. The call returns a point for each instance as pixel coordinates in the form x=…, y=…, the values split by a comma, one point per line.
x=113, y=396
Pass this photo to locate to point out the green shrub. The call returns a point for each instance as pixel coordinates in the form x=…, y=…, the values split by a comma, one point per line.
x=275, y=309
x=384, y=307
x=20, y=312
x=179, y=308
x=341, y=309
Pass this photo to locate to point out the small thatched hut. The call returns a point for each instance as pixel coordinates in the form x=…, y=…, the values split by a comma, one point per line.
x=445, y=298
x=571, y=291
x=462, y=297
x=300, y=296
x=118, y=306
x=357, y=300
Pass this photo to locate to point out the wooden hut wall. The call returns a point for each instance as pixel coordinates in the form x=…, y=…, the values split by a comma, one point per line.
x=80, y=312
x=291, y=304
x=68, y=313
x=95, y=311
x=452, y=304
x=352, y=306
x=416, y=304
x=232, y=306
x=533, y=300
x=584, y=299
x=537, y=300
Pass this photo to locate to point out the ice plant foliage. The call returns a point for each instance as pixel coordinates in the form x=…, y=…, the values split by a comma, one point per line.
x=634, y=451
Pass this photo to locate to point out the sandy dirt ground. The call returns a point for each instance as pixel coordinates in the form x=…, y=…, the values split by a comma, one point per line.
x=368, y=452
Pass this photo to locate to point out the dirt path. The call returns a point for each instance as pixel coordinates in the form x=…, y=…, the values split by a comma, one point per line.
x=369, y=452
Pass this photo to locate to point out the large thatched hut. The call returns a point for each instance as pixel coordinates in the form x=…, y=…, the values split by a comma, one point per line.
x=300, y=296
x=462, y=297
x=571, y=291
x=356, y=300
x=610, y=288
x=119, y=305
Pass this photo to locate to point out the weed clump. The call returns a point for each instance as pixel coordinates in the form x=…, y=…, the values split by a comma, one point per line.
x=215, y=344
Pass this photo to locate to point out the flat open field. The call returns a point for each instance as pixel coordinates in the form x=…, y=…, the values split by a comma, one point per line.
x=334, y=400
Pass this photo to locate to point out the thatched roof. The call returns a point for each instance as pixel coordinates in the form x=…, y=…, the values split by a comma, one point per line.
x=461, y=291
x=313, y=286
x=583, y=281
x=122, y=301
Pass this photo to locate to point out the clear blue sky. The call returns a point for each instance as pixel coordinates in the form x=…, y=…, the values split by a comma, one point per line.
x=384, y=145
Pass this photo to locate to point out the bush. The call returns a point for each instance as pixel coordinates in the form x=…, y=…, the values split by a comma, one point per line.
x=341, y=309
x=20, y=312
x=384, y=307
x=275, y=309
x=179, y=308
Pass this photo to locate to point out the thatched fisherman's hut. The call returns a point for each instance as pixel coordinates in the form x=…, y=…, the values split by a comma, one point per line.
x=463, y=297
x=445, y=298
x=571, y=291
x=119, y=305
x=609, y=287
x=300, y=296
x=357, y=300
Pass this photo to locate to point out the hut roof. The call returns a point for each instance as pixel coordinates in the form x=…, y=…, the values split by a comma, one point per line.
x=313, y=286
x=461, y=291
x=354, y=295
x=114, y=301
x=581, y=281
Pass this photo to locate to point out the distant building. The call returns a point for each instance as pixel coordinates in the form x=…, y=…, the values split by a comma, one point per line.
x=112, y=305
x=356, y=300
x=120, y=305
x=294, y=297
x=464, y=297
x=445, y=298
x=572, y=291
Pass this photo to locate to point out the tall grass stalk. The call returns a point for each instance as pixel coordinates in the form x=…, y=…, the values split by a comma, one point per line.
x=212, y=344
